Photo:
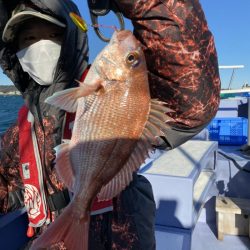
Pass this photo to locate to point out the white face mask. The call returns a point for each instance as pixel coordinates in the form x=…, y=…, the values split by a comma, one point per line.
x=39, y=60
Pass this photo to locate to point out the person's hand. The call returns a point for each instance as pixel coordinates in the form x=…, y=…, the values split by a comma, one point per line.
x=99, y=7
x=102, y=8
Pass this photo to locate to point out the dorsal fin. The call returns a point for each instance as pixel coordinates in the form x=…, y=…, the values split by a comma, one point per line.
x=156, y=123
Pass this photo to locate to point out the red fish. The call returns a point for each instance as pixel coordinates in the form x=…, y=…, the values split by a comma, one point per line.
x=115, y=126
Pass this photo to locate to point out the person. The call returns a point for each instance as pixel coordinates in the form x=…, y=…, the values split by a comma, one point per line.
x=42, y=51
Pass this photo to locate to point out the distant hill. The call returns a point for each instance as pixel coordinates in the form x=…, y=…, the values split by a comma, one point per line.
x=8, y=90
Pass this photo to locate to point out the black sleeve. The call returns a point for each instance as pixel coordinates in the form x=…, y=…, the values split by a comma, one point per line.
x=181, y=59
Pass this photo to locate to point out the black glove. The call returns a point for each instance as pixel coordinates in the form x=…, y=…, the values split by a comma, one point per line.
x=99, y=8
x=15, y=200
x=102, y=8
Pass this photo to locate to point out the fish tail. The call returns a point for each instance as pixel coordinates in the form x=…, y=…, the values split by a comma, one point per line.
x=66, y=231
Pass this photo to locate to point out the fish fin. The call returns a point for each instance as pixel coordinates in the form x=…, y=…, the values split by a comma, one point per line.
x=156, y=124
x=65, y=99
x=157, y=121
x=66, y=230
x=125, y=175
x=63, y=166
x=68, y=99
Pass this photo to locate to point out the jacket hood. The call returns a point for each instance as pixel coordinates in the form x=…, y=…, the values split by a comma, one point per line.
x=72, y=62
x=74, y=53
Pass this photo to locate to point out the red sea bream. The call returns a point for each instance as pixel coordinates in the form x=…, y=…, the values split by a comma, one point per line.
x=115, y=126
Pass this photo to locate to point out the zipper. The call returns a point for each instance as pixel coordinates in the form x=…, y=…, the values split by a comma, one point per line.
x=40, y=172
x=46, y=175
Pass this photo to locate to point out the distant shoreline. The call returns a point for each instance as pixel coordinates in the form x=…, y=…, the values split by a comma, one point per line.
x=10, y=93
x=8, y=90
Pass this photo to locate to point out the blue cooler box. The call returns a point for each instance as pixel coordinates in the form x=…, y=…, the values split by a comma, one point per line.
x=228, y=131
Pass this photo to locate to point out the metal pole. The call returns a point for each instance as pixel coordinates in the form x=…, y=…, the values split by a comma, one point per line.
x=231, y=80
x=248, y=116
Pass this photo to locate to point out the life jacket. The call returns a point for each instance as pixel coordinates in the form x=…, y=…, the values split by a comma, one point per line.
x=31, y=170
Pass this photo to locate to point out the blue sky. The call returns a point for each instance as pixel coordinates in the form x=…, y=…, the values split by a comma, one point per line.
x=229, y=22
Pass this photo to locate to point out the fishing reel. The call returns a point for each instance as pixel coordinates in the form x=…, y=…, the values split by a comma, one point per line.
x=102, y=8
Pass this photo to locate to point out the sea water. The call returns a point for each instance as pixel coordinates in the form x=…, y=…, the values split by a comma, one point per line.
x=9, y=106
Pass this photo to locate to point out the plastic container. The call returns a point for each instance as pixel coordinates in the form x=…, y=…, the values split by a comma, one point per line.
x=228, y=131
x=181, y=179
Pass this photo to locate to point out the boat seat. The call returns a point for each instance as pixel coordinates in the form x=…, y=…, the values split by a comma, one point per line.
x=232, y=216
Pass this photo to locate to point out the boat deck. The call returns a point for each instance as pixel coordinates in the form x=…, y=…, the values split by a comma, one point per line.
x=204, y=238
x=229, y=182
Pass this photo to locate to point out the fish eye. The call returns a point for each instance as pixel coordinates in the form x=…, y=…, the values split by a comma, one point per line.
x=132, y=58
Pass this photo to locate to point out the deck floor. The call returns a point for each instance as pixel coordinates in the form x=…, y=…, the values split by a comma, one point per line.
x=204, y=238
x=229, y=182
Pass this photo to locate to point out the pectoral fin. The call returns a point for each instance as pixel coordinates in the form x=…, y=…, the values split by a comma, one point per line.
x=68, y=99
